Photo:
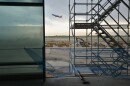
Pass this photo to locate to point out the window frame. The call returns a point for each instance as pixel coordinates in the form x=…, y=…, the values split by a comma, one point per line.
x=29, y=76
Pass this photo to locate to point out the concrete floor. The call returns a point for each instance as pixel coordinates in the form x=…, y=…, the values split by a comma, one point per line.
x=69, y=81
x=94, y=81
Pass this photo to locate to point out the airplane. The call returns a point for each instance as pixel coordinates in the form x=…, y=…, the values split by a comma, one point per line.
x=57, y=16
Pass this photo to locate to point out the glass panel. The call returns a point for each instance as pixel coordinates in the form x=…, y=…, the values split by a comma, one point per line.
x=21, y=39
x=35, y=1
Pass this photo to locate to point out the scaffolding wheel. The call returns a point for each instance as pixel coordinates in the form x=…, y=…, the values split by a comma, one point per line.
x=86, y=82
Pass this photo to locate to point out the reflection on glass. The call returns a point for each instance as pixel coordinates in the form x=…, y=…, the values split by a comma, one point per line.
x=20, y=27
x=21, y=39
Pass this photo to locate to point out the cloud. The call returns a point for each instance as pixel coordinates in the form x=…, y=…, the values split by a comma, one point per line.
x=54, y=27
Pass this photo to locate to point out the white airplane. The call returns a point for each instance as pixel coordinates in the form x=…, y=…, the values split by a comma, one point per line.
x=57, y=16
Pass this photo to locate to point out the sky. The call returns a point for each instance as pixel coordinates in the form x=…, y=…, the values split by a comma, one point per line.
x=54, y=25
x=60, y=26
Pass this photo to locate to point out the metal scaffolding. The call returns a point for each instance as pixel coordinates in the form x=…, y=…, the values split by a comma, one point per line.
x=99, y=37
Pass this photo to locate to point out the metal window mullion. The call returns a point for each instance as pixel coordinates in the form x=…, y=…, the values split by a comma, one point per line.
x=20, y=4
x=43, y=48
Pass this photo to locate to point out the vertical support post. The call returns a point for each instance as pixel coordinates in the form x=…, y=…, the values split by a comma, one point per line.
x=118, y=25
x=86, y=30
x=91, y=29
x=43, y=48
x=69, y=40
x=128, y=40
x=74, y=34
x=70, y=64
x=98, y=36
x=118, y=29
